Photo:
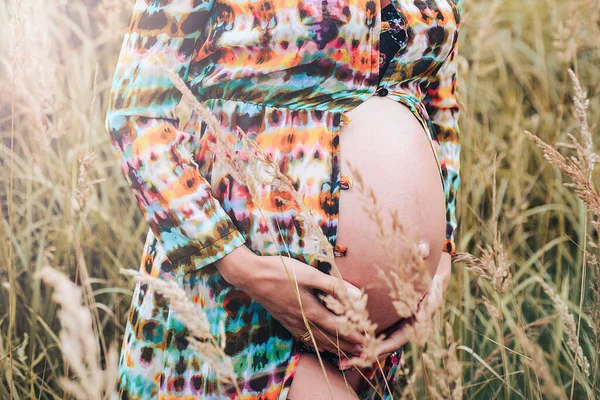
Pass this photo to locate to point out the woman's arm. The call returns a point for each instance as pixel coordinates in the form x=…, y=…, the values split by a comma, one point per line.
x=442, y=106
x=157, y=157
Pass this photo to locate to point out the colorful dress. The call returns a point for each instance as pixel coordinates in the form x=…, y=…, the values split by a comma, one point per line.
x=285, y=72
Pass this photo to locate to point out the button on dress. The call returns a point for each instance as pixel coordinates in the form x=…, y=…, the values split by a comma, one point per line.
x=285, y=73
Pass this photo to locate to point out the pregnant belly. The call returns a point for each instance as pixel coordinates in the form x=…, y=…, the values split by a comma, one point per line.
x=388, y=146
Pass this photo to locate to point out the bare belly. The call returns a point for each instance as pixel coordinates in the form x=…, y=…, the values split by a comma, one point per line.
x=386, y=143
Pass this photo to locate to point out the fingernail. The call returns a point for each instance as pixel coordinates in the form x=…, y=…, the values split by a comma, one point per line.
x=354, y=292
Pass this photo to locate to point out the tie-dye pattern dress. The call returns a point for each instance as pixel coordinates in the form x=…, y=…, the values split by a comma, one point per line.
x=285, y=72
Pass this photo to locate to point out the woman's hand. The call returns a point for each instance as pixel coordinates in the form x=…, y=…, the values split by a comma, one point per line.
x=425, y=310
x=265, y=279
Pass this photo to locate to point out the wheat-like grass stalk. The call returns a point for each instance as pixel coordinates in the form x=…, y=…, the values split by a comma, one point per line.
x=82, y=192
x=445, y=368
x=492, y=265
x=537, y=363
x=568, y=324
x=579, y=168
x=594, y=311
x=78, y=342
x=440, y=368
x=581, y=184
x=569, y=38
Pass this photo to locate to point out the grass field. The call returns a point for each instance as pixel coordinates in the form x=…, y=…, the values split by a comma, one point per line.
x=522, y=316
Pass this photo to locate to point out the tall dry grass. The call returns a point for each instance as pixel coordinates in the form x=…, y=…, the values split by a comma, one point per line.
x=522, y=316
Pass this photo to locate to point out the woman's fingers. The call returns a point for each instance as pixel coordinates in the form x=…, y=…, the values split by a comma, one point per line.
x=325, y=341
x=325, y=323
x=396, y=340
x=391, y=344
x=331, y=285
x=328, y=321
x=333, y=344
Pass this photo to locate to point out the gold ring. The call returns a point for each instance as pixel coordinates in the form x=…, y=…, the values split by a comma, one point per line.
x=305, y=336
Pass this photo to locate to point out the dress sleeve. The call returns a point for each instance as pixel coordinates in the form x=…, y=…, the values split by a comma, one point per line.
x=157, y=157
x=443, y=109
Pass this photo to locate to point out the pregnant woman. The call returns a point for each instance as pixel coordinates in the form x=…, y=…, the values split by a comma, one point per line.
x=315, y=84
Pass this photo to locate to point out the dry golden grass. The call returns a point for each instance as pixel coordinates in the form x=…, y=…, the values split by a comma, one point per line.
x=522, y=316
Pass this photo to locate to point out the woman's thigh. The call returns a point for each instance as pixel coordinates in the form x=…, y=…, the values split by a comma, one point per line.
x=310, y=383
